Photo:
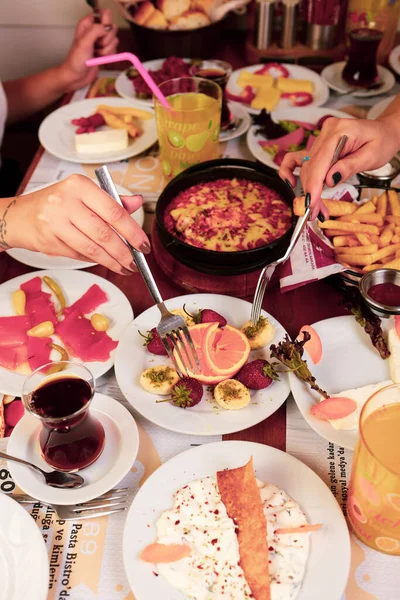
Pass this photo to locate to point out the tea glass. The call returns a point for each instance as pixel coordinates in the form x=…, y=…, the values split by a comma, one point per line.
x=361, y=67
x=71, y=438
x=218, y=71
x=188, y=132
x=374, y=490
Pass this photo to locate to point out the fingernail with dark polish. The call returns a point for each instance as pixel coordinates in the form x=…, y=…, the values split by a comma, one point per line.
x=336, y=177
x=288, y=183
x=126, y=271
x=145, y=248
x=321, y=217
x=133, y=267
x=307, y=200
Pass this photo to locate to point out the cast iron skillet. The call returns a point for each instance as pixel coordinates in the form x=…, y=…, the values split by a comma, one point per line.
x=211, y=261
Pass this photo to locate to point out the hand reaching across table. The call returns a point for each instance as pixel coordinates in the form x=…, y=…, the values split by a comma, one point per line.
x=74, y=218
x=371, y=144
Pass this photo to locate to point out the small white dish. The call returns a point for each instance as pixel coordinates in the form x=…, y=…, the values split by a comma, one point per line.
x=45, y=261
x=379, y=107
x=321, y=90
x=206, y=418
x=74, y=284
x=119, y=454
x=305, y=114
x=328, y=546
x=57, y=134
x=24, y=563
x=332, y=75
x=240, y=113
x=348, y=361
x=394, y=60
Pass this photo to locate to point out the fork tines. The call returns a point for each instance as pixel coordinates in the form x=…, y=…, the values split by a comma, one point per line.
x=183, y=347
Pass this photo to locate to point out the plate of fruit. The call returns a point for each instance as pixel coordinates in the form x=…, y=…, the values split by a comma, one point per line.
x=274, y=134
x=236, y=387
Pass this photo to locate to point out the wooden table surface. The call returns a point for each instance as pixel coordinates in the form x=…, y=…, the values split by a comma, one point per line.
x=294, y=309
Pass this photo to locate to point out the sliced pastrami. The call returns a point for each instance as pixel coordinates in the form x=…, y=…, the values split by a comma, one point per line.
x=39, y=306
x=82, y=340
x=87, y=303
x=38, y=351
x=13, y=330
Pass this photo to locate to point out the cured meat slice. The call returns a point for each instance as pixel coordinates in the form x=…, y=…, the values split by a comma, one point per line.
x=87, y=303
x=39, y=306
x=38, y=351
x=82, y=340
x=13, y=330
x=13, y=356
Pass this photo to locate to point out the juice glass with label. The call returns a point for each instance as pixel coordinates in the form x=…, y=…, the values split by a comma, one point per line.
x=188, y=132
x=374, y=491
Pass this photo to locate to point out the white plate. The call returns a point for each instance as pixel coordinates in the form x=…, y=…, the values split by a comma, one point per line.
x=329, y=546
x=119, y=454
x=394, y=59
x=57, y=134
x=321, y=90
x=45, y=261
x=124, y=85
x=206, y=418
x=332, y=75
x=74, y=284
x=238, y=112
x=24, y=564
x=348, y=361
x=379, y=107
x=305, y=114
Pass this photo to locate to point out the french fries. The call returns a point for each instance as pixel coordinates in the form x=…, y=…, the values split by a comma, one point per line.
x=364, y=237
x=123, y=117
x=126, y=111
x=117, y=122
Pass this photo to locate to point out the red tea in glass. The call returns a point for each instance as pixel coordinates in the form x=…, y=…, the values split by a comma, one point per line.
x=218, y=71
x=71, y=438
x=360, y=69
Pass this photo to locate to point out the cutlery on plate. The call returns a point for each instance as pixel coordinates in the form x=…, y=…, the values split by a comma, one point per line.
x=57, y=479
x=268, y=271
x=171, y=327
x=111, y=502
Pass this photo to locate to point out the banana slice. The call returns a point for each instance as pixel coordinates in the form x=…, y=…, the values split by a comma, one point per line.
x=261, y=334
x=159, y=380
x=231, y=394
x=179, y=311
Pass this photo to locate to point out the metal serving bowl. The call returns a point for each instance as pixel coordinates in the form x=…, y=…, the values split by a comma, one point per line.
x=375, y=278
x=380, y=181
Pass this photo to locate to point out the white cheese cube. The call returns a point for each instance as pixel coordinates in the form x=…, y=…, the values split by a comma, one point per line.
x=101, y=142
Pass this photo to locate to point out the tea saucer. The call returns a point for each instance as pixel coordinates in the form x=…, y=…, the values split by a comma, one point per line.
x=332, y=75
x=119, y=454
x=244, y=122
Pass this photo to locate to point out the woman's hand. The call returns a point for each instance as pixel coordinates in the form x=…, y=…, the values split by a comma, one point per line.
x=75, y=218
x=88, y=34
x=371, y=144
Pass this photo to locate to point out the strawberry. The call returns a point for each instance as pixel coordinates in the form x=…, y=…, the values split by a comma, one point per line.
x=154, y=343
x=187, y=392
x=207, y=315
x=257, y=375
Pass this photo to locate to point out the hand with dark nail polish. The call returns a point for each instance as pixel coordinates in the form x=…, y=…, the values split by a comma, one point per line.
x=336, y=177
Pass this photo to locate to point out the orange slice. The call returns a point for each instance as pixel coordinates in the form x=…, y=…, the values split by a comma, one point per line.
x=334, y=408
x=226, y=350
x=162, y=553
x=205, y=375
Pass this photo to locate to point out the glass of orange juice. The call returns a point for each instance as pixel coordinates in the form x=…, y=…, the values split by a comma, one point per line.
x=374, y=492
x=188, y=132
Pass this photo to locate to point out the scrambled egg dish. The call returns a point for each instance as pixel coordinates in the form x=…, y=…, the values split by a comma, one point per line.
x=228, y=215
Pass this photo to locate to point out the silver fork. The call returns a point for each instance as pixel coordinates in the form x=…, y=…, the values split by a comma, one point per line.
x=111, y=502
x=171, y=327
x=268, y=271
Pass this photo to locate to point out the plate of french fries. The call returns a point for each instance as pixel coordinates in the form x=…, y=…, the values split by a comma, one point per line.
x=58, y=135
x=365, y=234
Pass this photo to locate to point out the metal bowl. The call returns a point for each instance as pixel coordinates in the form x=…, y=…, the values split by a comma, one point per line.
x=380, y=181
x=375, y=278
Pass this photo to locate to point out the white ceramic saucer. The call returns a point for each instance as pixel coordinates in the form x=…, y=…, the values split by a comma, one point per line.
x=332, y=75
x=244, y=118
x=119, y=454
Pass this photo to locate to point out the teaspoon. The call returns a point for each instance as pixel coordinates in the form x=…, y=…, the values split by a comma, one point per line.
x=56, y=479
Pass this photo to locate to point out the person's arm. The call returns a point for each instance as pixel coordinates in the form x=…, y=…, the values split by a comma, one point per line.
x=28, y=95
x=370, y=144
x=74, y=218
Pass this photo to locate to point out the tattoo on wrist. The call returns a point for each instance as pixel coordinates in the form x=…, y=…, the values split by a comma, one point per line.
x=3, y=225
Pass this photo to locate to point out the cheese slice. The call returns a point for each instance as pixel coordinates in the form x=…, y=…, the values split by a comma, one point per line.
x=101, y=142
x=294, y=85
x=256, y=81
x=266, y=98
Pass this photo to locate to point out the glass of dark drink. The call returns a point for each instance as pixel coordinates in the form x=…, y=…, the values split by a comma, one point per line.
x=218, y=71
x=71, y=438
x=360, y=69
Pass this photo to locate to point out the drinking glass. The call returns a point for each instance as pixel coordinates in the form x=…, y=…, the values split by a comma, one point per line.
x=71, y=438
x=361, y=67
x=374, y=491
x=218, y=71
x=188, y=132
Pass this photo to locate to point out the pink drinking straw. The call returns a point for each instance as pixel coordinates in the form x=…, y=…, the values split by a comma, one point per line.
x=112, y=58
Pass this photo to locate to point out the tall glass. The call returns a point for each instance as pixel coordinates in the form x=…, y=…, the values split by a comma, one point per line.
x=218, y=71
x=361, y=67
x=71, y=438
x=188, y=132
x=374, y=492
